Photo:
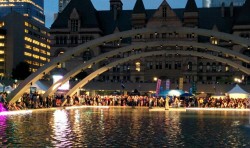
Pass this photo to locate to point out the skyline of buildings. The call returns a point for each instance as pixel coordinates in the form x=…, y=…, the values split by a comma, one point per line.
x=62, y=4
x=81, y=22
x=218, y=3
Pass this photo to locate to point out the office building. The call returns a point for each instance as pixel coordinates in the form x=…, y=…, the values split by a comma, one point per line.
x=24, y=41
x=32, y=9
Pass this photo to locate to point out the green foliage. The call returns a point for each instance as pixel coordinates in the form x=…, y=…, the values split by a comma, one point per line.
x=81, y=75
x=21, y=71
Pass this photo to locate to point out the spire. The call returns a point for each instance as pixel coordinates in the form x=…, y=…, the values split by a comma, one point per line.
x=191, y=6
x=116, y=4
x=243, y=17
x=139, y=7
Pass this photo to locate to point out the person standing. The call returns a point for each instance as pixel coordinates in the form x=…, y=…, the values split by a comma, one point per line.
x=167, y=103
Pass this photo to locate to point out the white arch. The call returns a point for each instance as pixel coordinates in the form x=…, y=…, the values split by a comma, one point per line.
x=17, y=93
x=101, y=57
x=145, y=54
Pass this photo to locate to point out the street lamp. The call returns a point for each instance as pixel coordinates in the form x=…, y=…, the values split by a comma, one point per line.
x=155, y=78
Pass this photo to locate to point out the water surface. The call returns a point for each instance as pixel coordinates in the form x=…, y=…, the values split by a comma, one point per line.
x=125, y=127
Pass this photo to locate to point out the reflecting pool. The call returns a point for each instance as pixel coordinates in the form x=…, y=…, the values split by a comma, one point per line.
x=125, y=127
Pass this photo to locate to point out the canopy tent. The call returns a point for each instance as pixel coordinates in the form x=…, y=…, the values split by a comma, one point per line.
x=237, y=92
x=173, y=92
x=187, y=95
x=8, y=89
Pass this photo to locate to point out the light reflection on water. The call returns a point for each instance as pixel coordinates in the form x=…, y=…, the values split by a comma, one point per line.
x=125, y=127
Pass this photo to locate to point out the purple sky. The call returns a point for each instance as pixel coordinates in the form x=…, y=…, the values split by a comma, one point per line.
x=51, y=6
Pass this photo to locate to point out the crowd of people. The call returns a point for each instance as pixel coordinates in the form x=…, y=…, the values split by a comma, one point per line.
x=36, y=100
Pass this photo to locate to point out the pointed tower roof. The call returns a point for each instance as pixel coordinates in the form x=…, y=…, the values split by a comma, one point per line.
x=244, y=17
x=139, y=7
x=86, y=11
x=191, y=6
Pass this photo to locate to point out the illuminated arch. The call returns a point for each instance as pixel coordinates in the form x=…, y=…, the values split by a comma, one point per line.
x=103, y=56
x=17, y=93
x=145, y=54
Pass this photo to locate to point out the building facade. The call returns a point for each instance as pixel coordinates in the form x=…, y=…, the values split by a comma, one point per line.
x=80, y=22
x=2, y=50
x=25, y=41
x=218, y=3
x=33, y=9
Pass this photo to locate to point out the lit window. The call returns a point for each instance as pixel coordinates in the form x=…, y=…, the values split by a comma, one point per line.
x=138, y=66
x=27, y=54
x=1, y=24
x=2, y=37
x=1, y=59
x=28, y=39
x=28, y=61
x=214, y=41
x=26, y=31
x=43, y=58
x=26, y=23
x=36, y=56
x=43, y=45
x=36, y=42
x=43, y=52
x=1, y=44
x=1, y=51
x=28, y=46
x=35, y=49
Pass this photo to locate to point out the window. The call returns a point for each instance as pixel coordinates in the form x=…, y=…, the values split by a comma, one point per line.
x=74, y=39
x=138, y=66
x=168, y=65
x=151, y=65
x=219, y=68
x=164, y=35
x=214, y=67
x=74, y=25
x=177, y=65
x=160, y=65
x=208, y=67
x=214, y=41
x=151, y=36
x=189, y=67
x=86, y=56
x=164, y=12
x=200, y=67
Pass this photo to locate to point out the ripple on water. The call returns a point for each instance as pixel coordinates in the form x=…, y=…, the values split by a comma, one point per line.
x=116, y=127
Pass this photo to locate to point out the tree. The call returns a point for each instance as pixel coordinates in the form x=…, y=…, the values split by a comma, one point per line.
x=81, y=75
x=22, y=71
